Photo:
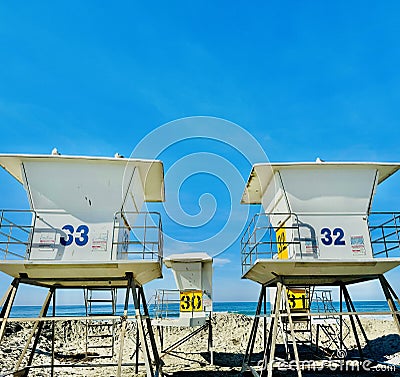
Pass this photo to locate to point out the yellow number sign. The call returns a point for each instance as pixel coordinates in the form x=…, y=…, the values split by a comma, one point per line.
x=191, y=301
x=298, y=299
x=281, y=243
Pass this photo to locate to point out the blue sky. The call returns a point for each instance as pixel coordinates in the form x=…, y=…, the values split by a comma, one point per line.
x=306, y=79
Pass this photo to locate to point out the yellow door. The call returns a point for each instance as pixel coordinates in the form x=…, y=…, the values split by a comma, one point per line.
x=283, y=252
x=298, y=300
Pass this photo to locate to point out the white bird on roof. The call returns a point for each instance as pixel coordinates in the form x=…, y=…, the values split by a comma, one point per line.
x=55, y=152
x=319, y=160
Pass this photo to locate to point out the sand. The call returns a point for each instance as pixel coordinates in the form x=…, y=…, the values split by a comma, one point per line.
x=230, y=337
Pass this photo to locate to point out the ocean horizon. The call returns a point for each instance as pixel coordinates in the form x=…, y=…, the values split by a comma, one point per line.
x=239, y=307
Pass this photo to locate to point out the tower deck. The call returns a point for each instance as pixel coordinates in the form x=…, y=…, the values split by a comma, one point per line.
x=82, y=274
x=318, y=272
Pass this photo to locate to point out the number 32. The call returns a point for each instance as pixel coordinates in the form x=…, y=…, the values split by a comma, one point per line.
x=327, y=240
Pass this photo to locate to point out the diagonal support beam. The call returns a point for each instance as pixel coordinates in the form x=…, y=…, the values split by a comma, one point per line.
x=353, y=309
x=391, y=290
x=268, y=363
x=353, y=325
x=123, y=326
x=253, y=332
x=35, y=326
x=292, y=333
x=185, y=339
x=150, y=332
x=38, y=333
x=389, y=298
x=8, y=301
x=142, y=335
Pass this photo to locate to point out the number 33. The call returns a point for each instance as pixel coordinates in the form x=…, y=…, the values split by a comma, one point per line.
x=82, y=232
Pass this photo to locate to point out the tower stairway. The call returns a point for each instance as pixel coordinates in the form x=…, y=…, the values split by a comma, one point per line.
x=100, y=333
x=328, y=323
x=299, y=302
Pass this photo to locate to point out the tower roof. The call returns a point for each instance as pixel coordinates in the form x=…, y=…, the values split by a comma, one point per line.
x=151, y=171
x=262, y=174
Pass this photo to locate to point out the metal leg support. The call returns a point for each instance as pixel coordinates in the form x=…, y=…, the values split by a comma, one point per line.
x=353, y=325
x=292, y=333
x=150, y=332
x=53, y=326
x=38, y=333
x=142, y=335
x=210, y=340
x=35, y=326
x=8, y=300
x=253, y=333
x=137, y=350
x=268, y=363
x=388, y=291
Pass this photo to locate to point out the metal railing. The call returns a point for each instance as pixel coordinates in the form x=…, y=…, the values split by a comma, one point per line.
x=384, y=228
x=138, y=235
x=16, y=232
x=167, y=303
x=262, y=240
x=171, y=303
x=321, y=301
x=142, y=240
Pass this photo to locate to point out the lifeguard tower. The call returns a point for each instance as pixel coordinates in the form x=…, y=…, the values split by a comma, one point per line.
x=317, y=229
x=85, y=230
x=190, y=305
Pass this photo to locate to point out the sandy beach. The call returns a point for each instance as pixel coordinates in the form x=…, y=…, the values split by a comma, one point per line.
x=230, y=336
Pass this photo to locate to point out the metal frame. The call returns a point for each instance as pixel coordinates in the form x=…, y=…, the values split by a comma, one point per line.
x=106, y=327
x=151, y=245
x=282, y=310
x=207, y=327
x=328, y=314
x=146, y=244
x=144, y=333
x=258, y=237
x=7, y=225
x=389, y=237
x=167, y=307
x=163, y=309
x=164, y=306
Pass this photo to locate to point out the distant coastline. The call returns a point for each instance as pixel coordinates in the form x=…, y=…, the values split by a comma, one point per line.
x=240, y=307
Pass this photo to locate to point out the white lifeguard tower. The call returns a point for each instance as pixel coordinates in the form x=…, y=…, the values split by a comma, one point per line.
x=85, y=230
x=192, y=300
x=316, y=230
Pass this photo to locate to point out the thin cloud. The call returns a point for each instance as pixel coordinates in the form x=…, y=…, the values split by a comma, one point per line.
x=218, y=262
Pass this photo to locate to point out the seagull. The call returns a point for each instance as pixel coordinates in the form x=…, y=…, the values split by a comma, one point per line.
x=117, y=155
x=55, y=152
x=319, y=160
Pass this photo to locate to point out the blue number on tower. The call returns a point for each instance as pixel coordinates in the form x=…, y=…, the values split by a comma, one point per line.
x=70, y=239
x=339, y=241
x=327, y=240
x=82, y=238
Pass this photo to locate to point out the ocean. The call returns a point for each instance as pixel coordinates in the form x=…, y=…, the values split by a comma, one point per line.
x=247, y=308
